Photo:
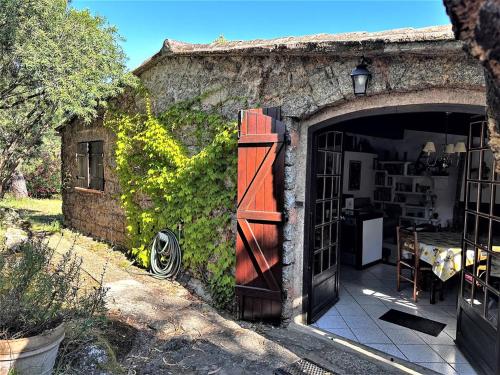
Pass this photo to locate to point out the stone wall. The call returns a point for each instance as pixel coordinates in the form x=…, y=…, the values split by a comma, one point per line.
x=301, y=85
x=307, y=77
x=95, y=213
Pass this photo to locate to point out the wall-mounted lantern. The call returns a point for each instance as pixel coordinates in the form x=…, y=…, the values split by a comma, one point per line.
x=360, y=77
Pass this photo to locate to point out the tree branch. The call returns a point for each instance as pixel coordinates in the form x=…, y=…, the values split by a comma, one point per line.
x=21, y=101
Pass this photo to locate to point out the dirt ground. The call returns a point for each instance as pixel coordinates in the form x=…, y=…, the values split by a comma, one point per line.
x=162, y=328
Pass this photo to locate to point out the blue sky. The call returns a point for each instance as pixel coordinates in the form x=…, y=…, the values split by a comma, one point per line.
x=146, y=24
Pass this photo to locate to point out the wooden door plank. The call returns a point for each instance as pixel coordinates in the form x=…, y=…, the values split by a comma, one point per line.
x=260, y=215
x=260, y=138
x=258, y=256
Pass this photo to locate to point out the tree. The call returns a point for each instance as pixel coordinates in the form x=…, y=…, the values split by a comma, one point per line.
x=477, y=23
x=56, y=62
x=42, y=173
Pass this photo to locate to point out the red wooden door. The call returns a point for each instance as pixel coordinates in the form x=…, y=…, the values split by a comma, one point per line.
x=261, y=167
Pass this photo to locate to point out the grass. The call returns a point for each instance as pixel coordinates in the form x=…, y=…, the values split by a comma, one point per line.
x=45, y=215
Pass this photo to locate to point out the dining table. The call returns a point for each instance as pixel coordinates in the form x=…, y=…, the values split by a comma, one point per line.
x=443, y=251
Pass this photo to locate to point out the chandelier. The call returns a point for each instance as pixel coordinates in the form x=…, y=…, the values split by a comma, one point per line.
x=449, y=152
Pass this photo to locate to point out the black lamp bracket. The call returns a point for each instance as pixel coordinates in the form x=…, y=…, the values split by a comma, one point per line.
x=365, y=61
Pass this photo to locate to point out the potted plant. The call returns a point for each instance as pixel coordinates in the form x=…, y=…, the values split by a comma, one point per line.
x=39, y=297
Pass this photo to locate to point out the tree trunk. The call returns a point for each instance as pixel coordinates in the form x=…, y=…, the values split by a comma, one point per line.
x=477, y=23
x=7, y=171
x=18, y=185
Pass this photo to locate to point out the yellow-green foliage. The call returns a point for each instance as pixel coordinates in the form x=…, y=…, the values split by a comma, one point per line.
x=164, y=186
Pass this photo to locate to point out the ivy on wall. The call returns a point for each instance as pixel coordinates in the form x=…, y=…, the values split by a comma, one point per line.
x=180, y=167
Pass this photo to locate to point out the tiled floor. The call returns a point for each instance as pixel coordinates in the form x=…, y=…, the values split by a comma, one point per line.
x=366, y=295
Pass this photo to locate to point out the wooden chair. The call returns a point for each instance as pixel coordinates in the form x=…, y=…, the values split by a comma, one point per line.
x=409, y=258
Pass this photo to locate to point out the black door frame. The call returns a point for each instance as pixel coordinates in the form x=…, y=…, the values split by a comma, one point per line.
x=323, y=277
x=312, y=132
x=477, y=337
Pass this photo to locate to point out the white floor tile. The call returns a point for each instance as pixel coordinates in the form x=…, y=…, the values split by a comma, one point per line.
x=449, y=353
x=409, y=309
x=450, y=310
x=386, y=275
x=403, y=336
x=331, y=321
x=383, y=325
x=385, y=294
x=390, y=349
x=345, y=300
x=440, y=317
x=366, y=295
x=371, y=336
x=359, y=322
x=441, y=368
x=436, y=309
x=358, y=290
x=344, y=294
x=463, y=369
x=366, y=277
x=332, y=312
x=419, y=353
x=451, y=332
x=442, y=339
x=352, y=309
x=368, y=300
x=375, y=311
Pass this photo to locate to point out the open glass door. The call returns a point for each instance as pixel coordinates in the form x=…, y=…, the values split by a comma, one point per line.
x=325, y=210
x=478, y=314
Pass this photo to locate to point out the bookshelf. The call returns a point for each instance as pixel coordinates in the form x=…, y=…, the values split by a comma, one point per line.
x=395, y=185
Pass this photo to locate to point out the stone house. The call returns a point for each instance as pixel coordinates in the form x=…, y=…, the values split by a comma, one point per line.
x=414, y=73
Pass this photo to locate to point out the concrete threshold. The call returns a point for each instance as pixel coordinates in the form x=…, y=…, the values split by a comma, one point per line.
x=338, y=354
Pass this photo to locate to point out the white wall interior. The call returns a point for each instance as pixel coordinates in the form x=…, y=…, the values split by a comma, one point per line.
x=411, y=144
x=367, y=174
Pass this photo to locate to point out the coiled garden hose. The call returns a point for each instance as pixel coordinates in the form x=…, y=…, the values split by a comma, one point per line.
x=165, y=255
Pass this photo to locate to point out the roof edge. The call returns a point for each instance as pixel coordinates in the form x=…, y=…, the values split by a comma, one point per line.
x=308, y=44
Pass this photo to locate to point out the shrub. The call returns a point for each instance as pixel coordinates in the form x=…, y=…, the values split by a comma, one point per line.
x=37, y=294
x=180, y=168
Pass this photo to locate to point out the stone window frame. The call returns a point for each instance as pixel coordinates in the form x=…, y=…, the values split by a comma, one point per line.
x=90, y=165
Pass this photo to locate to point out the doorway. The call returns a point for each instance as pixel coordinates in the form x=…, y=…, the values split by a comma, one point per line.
x=359, y=289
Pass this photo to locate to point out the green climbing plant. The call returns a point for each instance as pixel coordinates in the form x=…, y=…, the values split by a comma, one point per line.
x=179, y=167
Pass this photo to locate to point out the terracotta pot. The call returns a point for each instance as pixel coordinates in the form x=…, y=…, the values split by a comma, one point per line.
x=32, y=355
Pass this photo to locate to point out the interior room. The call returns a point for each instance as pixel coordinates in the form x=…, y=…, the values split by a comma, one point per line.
x=404, y=194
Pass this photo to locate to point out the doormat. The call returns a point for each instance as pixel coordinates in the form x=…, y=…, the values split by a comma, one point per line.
x=303, y=367
x=431, y=327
